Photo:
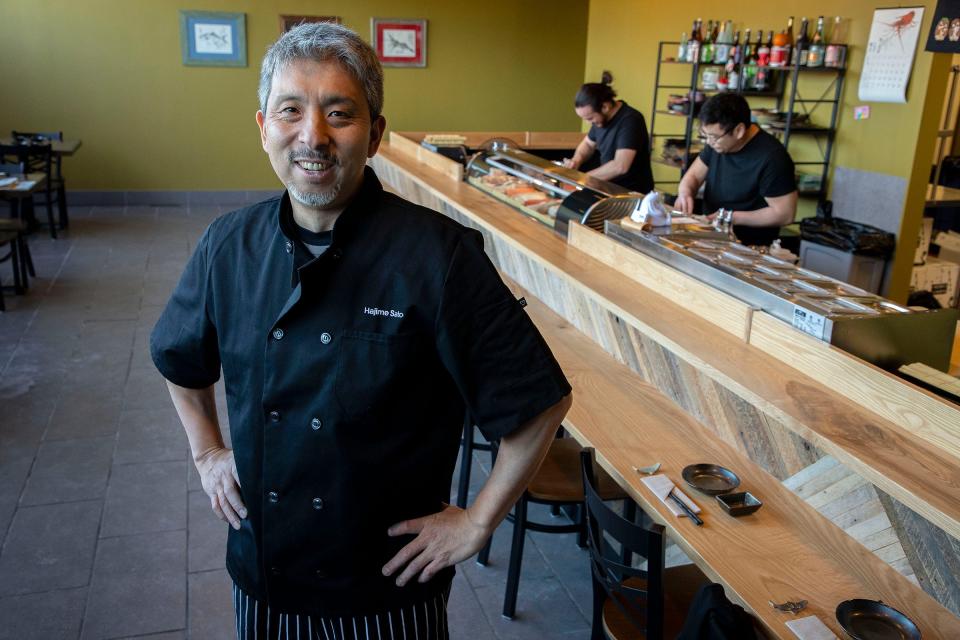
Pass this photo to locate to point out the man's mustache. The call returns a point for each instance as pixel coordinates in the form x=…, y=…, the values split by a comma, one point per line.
x=312, y=155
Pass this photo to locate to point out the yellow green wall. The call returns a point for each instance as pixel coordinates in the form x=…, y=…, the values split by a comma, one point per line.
x=109, y=72
x=896, y=140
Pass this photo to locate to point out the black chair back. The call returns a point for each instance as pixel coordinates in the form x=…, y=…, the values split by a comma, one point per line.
x=640, y=599
x=39, y=137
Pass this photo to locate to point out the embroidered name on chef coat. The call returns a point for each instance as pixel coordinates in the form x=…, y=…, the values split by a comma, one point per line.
x=386, y=313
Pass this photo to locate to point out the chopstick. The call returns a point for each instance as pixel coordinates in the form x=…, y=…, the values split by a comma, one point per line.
x=683, y=505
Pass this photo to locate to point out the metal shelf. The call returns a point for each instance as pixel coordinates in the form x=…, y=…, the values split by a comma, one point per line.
x=786, y=93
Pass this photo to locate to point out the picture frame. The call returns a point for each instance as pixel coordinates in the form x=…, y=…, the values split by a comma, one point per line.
x=289, y=22
x=213, y=38
x=399, y=42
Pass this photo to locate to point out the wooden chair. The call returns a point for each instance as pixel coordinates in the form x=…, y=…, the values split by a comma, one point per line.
x=58, y=182
x=36, y=158
x=630, y=602
x=10, y=239
x=558, y=485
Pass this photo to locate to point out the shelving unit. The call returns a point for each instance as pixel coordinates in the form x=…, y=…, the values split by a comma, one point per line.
x=789, y=97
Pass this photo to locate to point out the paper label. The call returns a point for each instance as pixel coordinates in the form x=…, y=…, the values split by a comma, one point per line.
x=809, y=322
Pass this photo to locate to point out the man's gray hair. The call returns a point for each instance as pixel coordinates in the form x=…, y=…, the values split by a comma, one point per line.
x=322, y=41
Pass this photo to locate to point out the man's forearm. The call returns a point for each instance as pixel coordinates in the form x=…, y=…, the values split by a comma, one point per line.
x=518, y=460
x=582, y=153
x=765, y=217
x=608, y=171
x=197, y=409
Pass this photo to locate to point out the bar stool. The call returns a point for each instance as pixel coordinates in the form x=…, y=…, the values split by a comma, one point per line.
x=630, y=602
x=558, y=483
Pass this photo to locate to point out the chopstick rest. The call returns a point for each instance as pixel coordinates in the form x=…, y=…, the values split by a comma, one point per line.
x=661, y=486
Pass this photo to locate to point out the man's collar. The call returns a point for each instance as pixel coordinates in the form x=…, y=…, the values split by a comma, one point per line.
x=344, y=228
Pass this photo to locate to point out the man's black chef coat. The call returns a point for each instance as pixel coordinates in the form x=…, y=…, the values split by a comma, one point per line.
x=347, y=378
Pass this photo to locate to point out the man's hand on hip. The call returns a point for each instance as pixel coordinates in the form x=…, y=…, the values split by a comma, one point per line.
x=218, y=474
x=443, y=539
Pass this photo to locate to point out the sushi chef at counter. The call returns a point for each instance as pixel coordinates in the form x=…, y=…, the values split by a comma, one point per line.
x=749, y=176
x=618, y=132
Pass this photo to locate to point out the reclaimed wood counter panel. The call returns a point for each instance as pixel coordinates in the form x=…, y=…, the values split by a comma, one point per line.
x=786, y=551
x=782, y=419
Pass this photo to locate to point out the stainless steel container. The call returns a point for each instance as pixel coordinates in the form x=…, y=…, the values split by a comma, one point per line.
x=863, y=324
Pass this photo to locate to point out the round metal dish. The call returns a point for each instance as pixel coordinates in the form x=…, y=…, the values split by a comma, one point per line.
x=874, y=620
x=711, y=479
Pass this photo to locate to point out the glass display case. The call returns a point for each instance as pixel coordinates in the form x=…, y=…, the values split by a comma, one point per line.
x=547, y=191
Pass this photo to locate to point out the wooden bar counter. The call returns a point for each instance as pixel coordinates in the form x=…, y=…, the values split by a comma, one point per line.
x=865, y=453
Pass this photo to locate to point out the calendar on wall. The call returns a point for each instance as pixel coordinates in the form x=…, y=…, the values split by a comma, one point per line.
x=894, y=35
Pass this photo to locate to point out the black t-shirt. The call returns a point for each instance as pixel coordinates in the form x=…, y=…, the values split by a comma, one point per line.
x=347, y=377
x=743, y=180
x=626, y=130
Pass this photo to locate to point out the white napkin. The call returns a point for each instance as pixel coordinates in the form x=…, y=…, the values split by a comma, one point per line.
x=810, y=628
x=25, y=184
x=6, y=182
x=661, y=486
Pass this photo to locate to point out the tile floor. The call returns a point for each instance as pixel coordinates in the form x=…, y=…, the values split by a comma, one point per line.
x=105, y=530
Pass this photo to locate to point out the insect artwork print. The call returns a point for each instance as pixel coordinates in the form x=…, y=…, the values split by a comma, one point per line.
x=907, y=21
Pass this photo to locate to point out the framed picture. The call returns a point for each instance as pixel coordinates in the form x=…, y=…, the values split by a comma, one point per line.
x=400, y=43
x=213, y=38
x=289, y=22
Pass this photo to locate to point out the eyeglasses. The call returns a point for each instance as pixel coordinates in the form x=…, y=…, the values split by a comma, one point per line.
x=713, y=138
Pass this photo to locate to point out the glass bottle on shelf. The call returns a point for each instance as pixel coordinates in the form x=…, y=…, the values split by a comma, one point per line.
x=817, y=46
x=763, y=49
x=682, y=49
x=748, y=78
x=762, y=57
x=706, y=55
x=721, y=51
x=836, y=55
x=788, y=56
x=802, y=49
x=733, y=62
x=693, y=45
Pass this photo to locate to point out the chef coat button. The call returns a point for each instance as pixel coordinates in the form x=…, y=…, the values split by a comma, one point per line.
x=273, y=497
x=278, y=334
x=336, y=253
x=321, y=573
x=316, y=423
x=289, y=247
x=274, y=416
x=318, y=503
x=325, y=338
x=275, y=571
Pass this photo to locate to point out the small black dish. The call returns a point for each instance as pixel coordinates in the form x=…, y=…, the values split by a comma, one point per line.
x=711, y=479
x=874, y=620
x=739, y=504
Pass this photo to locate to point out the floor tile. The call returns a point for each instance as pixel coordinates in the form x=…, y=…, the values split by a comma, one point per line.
x=69, y=470
x=145, y=497
x=49, y=547
x=207, y=535
x=138, y=586
x=43, y=616
x=211, y=606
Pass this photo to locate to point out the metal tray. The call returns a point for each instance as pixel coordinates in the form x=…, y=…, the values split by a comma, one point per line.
x=874, y=620
x=711, y=479
x=739, y=504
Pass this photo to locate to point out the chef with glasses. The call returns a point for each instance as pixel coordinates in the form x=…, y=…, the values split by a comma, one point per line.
x=749, y=177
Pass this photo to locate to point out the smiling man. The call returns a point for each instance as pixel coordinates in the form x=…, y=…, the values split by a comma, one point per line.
x=354, y=331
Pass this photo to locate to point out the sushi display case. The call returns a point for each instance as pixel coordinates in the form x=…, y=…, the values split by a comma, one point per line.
x=545, y=191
